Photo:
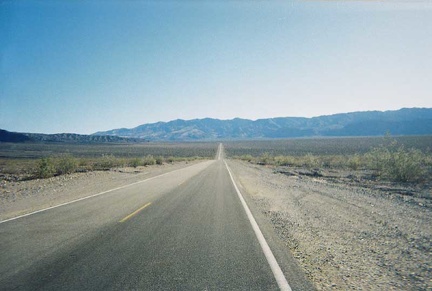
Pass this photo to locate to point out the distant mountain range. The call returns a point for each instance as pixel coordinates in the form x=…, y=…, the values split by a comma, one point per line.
x=406, y=121
x=6, y=136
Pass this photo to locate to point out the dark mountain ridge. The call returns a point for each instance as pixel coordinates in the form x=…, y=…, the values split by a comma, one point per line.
x=6, y=136
x=406, y=121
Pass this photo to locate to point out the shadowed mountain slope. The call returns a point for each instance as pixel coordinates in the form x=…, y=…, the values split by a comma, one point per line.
x=406, y=121
x=6, y=136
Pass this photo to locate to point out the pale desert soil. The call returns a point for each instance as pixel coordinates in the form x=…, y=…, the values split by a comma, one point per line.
x=345, y=234
x=21, y=197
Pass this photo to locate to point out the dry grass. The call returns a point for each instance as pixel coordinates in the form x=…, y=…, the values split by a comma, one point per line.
x=391, y=160
x=27, y=161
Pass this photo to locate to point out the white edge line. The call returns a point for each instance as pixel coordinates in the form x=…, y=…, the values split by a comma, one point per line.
x=94, y=195
x=277, y=271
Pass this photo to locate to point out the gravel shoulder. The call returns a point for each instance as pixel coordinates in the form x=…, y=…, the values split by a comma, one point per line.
x=21, y=197
x=346, y=235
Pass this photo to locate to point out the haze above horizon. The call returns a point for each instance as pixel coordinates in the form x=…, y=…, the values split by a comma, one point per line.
x=87, y=66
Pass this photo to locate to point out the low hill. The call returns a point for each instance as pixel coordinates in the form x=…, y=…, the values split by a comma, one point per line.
x=6, y=136
x=406, y=121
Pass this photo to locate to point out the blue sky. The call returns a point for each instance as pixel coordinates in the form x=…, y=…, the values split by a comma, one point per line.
x=85, y=66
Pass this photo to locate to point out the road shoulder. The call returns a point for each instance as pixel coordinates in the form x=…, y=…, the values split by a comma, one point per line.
x=23, y=197
x=343, y=237
x=293, y=272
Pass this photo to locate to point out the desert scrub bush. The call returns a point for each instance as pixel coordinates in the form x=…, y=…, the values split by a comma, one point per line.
x=85, y=165
x=149, y=160
x=333, y=161
x=159, y=160
x=396, y=163
x=170, y=159
x=265, y=159
x=311, y=161
x=285, y=160
x=45, y=168
x=355, y=162
x=246, y=158
x=66, y=164
x=135, y=162
x=107, y=162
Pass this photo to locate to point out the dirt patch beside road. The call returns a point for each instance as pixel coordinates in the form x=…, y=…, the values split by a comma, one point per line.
x=346, y=235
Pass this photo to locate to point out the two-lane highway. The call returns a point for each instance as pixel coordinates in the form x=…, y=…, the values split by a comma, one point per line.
x=185, y=230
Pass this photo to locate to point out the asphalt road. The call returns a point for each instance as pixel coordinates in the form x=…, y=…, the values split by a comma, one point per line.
x=185, y=230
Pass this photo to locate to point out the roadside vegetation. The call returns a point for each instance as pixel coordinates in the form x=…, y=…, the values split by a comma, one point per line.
x=391, y=160
x=40, y=161
x=67, y=164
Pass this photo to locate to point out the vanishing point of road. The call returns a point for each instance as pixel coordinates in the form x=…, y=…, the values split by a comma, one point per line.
x=188, y=229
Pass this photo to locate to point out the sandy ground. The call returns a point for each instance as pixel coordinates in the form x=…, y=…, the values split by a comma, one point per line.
x=346, y=237
x=345, y=234
x=18, y=198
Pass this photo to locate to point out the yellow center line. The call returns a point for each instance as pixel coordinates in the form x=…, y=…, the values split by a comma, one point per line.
x=135, y=212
